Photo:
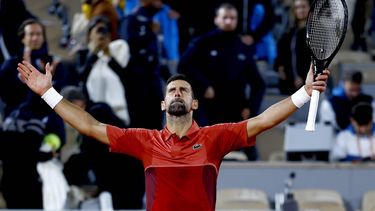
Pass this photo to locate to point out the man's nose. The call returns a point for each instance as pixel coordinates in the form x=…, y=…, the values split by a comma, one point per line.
x=177, y=93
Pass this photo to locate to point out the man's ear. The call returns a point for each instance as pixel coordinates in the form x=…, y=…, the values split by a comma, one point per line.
x=194, y=105
x=162, y=105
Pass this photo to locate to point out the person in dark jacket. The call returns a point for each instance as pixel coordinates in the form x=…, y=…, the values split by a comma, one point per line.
x=293, y=54
x=35, y=50
x=252, y=35
x=12, y=14
x=221, y=66
x=21, y=137
x=144, y=65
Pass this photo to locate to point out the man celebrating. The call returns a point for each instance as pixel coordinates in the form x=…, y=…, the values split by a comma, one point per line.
x=181, y=161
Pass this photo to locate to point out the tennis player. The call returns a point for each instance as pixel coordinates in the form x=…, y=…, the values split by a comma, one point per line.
x=181, y=161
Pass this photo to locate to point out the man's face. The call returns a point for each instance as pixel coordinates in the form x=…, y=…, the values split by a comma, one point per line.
x=226, y=19
x=301, y=9
x=352, y=89
x=34, y=37
x=178, y=99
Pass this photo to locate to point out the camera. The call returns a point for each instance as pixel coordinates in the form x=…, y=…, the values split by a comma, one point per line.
x=102, y=30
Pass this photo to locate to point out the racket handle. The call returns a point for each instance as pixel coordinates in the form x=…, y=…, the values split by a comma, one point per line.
x=310, y=125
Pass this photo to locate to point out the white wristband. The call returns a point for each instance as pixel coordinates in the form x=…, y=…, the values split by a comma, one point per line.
x=52, y=97
x=300, y=97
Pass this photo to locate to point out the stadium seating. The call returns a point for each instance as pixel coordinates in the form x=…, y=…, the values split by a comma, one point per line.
x=368, y=201
x=319, y=199
x=242, y=198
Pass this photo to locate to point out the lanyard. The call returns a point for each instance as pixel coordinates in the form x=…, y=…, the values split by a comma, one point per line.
x=371, y=139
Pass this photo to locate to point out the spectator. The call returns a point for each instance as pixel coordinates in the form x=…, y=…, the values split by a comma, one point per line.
x=221, y=66
x=356, y=143
x=101, y=66
x=336, y=109
x=144, y=65
x=12, y=14
x=26, y=126
x=358, y=26
x=293, y=56
x=195, y=19
x=33, y=36
x=105, y=8
x=251, y=29
x=168, y=36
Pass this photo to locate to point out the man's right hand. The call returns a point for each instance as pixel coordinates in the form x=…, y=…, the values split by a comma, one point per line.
x=35, y=80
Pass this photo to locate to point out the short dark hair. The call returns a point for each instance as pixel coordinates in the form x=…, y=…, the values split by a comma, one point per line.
x=21, y=29
x=72, y=93
x=354, y=76
x=182, y=77
x=362, y=113
x=226, y=6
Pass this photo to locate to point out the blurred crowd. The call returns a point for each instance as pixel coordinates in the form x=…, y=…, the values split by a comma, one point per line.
x=120, y=54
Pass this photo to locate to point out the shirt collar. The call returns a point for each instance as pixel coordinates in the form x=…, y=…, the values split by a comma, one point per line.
x=167, y=134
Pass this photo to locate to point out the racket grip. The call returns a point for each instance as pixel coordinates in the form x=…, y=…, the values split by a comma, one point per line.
x=310, y=125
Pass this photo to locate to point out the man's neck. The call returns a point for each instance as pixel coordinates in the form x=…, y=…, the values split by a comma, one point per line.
x=179, y=125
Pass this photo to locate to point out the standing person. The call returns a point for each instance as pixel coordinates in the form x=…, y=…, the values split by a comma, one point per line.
x=9, y=24
x=101, y=67
x=32, y=34
x=93, y=8
x=181, y=161
x=250, y=34
x=144, y=65
x=221, y=66
x=293, y=55
x=358, y=25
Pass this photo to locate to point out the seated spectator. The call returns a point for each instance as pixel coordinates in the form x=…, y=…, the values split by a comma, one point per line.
x=356, y=143
x=337, y=108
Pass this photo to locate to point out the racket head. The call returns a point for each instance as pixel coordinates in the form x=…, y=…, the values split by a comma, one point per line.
x=326, y=28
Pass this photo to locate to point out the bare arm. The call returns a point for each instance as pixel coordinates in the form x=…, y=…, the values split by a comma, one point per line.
x=283, y=109
x=72, y=114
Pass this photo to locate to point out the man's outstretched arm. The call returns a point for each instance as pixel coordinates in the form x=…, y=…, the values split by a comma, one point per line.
x=41, y=84
x=283, y=109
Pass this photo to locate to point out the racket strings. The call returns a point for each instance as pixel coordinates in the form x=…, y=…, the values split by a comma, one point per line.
x=326, y=25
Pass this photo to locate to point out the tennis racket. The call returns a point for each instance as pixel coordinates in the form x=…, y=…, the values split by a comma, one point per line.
x=325, y=32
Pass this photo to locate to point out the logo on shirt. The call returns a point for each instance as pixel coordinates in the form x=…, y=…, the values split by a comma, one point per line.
x=197, y=146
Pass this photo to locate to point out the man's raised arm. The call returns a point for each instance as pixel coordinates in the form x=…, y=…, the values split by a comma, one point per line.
x=283, y=109
x=41, y=84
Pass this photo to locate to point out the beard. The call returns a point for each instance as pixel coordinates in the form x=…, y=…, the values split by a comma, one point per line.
x=177, y=108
